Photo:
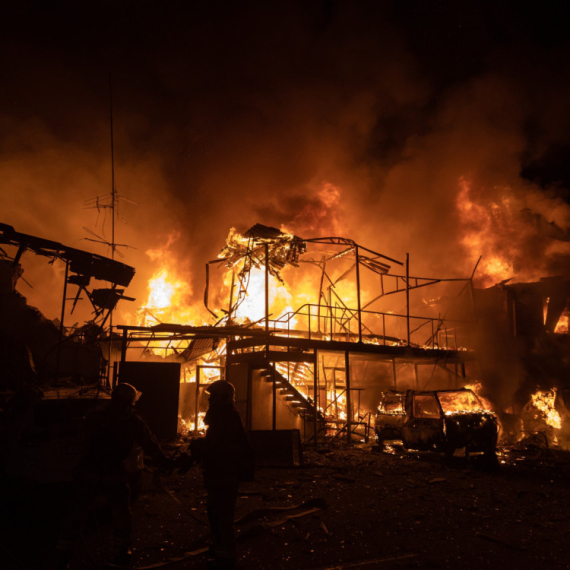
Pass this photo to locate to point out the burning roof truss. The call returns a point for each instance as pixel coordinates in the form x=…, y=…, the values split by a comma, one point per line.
x=268, y=248
x=258, y=244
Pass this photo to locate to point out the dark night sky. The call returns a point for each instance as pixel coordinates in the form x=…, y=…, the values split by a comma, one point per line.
x=360, y=118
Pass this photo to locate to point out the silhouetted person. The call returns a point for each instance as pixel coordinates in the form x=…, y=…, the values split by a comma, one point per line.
x=227, y=459
x=114, y=436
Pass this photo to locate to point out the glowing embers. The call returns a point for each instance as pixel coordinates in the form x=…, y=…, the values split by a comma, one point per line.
x=545, y=402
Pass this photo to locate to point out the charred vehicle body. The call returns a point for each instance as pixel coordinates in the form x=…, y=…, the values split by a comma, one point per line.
x=442, y=420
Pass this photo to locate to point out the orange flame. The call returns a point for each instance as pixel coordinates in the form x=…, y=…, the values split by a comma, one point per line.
x=186, y=427
x=477, y=387
x=544, y=401
x=460, y=402
x=480, y=237
x=562, y=326
x=252, y=307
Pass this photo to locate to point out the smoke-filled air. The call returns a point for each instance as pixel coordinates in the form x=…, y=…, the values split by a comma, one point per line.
x=320, y=118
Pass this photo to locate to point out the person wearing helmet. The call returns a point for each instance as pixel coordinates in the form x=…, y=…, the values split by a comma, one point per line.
x=227, y=459
x=115, y=435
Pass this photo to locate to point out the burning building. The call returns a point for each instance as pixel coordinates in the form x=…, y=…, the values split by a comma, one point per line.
x=312, y=331
x=315, y=361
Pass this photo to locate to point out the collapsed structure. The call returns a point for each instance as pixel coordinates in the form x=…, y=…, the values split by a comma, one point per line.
x=317, y=364
x=320, y=367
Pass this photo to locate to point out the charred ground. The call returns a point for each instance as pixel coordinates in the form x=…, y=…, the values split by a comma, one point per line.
x=355, y=508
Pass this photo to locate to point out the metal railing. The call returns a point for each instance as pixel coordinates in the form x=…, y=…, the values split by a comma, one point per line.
x=341, y=323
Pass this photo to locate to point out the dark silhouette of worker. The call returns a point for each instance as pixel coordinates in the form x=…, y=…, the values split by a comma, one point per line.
x=227, y=459
x=116, y=437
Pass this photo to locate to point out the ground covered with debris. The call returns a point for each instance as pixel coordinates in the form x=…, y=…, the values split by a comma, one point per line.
x=346, y=507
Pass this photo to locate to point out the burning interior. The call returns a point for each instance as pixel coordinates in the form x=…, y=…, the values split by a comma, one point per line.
x=315, y=361
x=311, y=332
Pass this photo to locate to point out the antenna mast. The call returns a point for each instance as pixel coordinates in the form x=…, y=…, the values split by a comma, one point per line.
x=113, y=245
x=113, y=197
x=100, y=203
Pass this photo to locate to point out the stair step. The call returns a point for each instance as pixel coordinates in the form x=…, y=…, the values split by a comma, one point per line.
x=288, y=392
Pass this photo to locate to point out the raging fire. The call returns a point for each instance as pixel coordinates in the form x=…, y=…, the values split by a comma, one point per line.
x=169, y=301
x=186, y=427
x=483, y=226
x=544, y=400
x=461, y=402
x=477, y=388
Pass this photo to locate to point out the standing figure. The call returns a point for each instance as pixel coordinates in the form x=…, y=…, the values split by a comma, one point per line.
x=227, y=459
x=116, y=434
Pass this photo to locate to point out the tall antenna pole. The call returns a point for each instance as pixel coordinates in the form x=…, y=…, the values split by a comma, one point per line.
x=112, y=221
x=112, y=172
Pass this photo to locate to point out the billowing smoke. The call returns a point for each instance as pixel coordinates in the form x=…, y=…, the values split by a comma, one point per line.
x=409, y=131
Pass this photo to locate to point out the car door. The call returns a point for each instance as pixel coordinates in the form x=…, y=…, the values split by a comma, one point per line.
x=424, y=425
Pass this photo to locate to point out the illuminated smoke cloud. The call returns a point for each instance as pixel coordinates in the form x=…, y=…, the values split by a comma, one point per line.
x=323, y=118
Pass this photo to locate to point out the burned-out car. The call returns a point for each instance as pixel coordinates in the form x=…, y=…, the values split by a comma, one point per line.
x=440, y=420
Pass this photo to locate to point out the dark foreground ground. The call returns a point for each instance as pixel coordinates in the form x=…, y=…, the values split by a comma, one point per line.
x=355, y=508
